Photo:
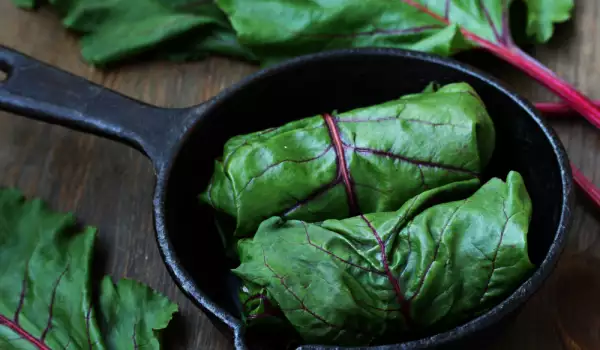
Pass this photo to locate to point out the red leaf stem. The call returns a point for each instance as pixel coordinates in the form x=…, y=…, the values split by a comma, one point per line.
x=586, y=185
x=515, y=56
x=557, y=109
x=23, y=333
x=573, y=98
x=509, y=52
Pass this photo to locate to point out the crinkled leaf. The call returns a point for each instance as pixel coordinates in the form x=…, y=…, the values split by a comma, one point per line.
x=278, y=29
x=444, y=256
x=367, y=160
x=45, y=296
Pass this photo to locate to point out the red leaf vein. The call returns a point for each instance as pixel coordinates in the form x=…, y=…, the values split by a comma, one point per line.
x=495, y=257
x=338, y=257
x=393, y=280
x=342, y=167
x=295, y=296
x=51, y=305
x=416, y=162
x=435, y=253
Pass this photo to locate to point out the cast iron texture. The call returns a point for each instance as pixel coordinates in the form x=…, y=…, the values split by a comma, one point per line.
x=182, y=143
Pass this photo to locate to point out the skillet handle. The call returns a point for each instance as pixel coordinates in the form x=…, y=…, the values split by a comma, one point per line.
x=39, y=91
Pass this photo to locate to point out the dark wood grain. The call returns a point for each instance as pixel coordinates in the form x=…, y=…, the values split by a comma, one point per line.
x=110, y=186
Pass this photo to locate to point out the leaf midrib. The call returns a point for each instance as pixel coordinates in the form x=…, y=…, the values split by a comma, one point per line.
x=15, y=327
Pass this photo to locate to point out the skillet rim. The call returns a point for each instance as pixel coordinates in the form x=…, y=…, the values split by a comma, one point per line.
x=484, y=321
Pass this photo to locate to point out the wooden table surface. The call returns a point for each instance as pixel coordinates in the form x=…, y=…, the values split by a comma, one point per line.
x=110, y=185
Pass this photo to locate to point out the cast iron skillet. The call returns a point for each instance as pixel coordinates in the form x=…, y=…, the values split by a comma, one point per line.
x=182, y=144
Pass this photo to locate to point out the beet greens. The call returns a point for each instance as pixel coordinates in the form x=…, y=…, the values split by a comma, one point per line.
x=269, y=31
x=366, y=160
x=387, y=275
x=278, y=29
x=325, y=252
x=46, y=300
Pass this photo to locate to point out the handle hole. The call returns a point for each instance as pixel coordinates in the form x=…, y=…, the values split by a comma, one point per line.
x=4, y=71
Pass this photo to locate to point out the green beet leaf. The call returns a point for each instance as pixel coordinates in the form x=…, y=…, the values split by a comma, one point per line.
x=273, y=30
x=27, y=4
x=447, y=254
x=279, y=29
x=45, y=297
x=542, y=14
x=132, y=313
x=121, y=29
x=366, y=160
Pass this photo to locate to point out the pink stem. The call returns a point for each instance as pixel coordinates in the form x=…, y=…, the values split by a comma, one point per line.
x=556, y=109
x=509, y=52
x=592, y=192
x=575, y=99
x=16, y=328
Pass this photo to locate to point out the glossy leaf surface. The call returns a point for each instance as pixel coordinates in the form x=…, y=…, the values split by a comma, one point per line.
x=446, y=255
x=278, y=29
x=118, y=30
x=272, y=30
x=46, y=300
x=366, y=160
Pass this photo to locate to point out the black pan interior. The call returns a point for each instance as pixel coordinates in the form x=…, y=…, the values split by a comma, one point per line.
x=342, y=82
